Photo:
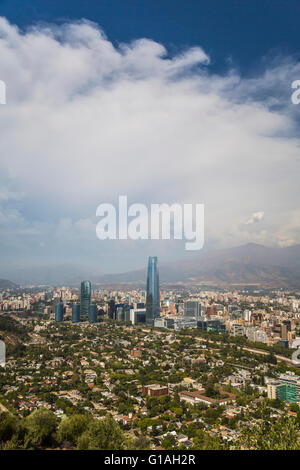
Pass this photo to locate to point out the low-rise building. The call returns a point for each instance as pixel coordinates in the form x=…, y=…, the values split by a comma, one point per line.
x=155, y=390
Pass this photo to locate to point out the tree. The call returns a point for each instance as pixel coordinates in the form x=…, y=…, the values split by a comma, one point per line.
x=70, y=429
x=203, y=441
x=104, y=434
x=141, y=442
x=282, y=434
x=41, y=425
x=9, y=426
x=169, y=442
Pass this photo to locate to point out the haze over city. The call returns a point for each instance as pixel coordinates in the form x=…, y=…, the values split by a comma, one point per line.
x=89, y=117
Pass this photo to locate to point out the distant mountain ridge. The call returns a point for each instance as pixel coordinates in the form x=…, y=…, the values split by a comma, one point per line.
x=64, y=274
x=250, y=264
x=246, y=264
x=5, y=284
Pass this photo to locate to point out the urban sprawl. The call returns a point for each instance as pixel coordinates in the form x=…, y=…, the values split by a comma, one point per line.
x=99, y=367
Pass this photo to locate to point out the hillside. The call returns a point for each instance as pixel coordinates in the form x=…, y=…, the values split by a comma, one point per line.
x=247, y=264
x=5, y=284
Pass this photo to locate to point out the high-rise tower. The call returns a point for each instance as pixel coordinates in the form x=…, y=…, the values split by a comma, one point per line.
x=75, y=313
x=85, y=299
x=112, y=309
x=59, y=312
x=2, y=353
x=93, y=313
x=153, y=299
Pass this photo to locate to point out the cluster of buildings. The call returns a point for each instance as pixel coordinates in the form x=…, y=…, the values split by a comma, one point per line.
x=85, y=310
x=124, y=352
x=136, y=312
x=284, y=388
x=271, y=317
x=261, y=317
x=151, y=380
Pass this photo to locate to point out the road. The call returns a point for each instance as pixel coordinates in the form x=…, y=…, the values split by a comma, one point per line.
x=256, y=351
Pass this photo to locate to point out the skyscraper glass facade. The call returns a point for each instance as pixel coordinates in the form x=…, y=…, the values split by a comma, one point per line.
x=287, y=392
x=59, y=312
x=192, y=308
x=93, y=313
x=75, y=313
x=111, y=309
x=153, y=298
x=289, y=388
x=85, y=299
x=214, y=326
x=2, y=353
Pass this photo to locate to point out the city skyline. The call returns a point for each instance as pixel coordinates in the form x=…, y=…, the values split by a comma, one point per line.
x=153, y=293
x=247, y=264
x=228, y=368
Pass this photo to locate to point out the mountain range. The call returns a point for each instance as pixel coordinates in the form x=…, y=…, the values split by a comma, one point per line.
x=250, y=264
x=5, y=284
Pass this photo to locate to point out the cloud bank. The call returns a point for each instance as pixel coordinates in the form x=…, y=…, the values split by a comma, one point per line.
x=86, y=121
x=255, y=218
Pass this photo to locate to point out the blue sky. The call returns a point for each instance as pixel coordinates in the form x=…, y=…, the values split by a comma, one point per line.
x=243, y=31
x=161, y=101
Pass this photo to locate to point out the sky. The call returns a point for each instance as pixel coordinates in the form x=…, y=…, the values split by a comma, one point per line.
x=165, y=102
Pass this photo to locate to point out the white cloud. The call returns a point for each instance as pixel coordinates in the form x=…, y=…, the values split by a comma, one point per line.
x=255, y=217
x=86, y=121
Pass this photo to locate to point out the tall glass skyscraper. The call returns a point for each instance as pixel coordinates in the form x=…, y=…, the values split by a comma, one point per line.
x=93, y=313
x=111, y=309
x=2, y=353
x=75, y=313
x=85, y=299
x=153, y=298
x=59, y=312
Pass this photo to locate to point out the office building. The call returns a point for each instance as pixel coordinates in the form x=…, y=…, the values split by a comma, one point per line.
x=153, y=295
x=139, y=305
x=236, y=329
x=119, y=312
x=111, y=309
x=75, y=313
x=138, y=315
x=184, y=322
x=126, y=311
x=285, y=388
x=59, y=312
x=164, y=322
x=93, y=313
x=85, y=299
x=2, y=353
x=192, y=308
x=285, y=328
x=256, y=335
x=41, y=307
x=213, y=326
